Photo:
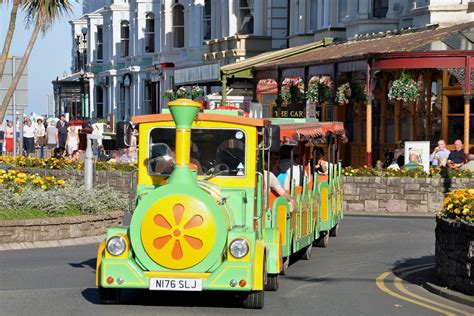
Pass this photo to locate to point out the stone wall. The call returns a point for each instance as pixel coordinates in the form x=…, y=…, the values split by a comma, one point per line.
x=455, y=255
x=391, y=195
x=124, y=182
x=34, y=230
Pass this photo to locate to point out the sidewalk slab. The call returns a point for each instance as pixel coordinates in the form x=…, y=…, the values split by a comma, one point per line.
x=53, y=243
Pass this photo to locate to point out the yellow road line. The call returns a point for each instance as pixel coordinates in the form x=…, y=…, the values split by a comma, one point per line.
x=381, y=285
x=399, y=285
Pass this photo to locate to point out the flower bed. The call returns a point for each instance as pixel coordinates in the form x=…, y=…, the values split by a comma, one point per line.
x=414, y=173
x=61, y=164
x=21, y=191
x=459, y=205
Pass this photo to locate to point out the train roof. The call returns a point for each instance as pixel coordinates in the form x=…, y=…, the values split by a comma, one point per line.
x=206, y=116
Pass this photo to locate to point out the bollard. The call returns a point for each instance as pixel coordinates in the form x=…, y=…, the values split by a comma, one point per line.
x=88, y=165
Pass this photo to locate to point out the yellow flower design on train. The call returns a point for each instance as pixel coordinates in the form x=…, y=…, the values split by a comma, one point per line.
x=178, y=231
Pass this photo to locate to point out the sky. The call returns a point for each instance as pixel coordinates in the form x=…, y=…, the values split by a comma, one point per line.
x=50, y=58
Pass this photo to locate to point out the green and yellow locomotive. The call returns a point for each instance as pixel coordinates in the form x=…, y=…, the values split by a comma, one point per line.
x=205, y=218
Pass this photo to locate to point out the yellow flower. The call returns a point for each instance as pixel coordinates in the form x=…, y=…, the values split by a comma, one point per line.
x=61, y=182
x=457, y=211
x=450, y=206
x=465, y=211
x=44, y=187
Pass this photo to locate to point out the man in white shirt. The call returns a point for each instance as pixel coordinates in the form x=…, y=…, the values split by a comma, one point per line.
x=439, y=152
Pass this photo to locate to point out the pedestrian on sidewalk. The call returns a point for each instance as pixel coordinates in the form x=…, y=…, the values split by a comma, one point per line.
x=28, y=137
x=40, y=136
x=72, y=140
x=9, y=138
x=62, y=126
x=52, y=137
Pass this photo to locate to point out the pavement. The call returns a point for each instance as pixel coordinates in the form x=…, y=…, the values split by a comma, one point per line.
x=376, y=266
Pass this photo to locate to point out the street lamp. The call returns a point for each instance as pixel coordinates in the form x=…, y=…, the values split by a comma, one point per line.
x=84, y=47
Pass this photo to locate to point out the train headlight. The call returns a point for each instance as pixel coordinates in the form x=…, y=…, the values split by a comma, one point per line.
x=116, y=245
x=239, y=248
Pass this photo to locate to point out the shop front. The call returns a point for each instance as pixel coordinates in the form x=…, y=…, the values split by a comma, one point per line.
x=355, y=82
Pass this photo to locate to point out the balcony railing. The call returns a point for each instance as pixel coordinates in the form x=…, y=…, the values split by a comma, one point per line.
x=237, y=46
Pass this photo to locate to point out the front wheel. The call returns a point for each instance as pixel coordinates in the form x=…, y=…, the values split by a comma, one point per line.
x=109, y=296
x=254, y=300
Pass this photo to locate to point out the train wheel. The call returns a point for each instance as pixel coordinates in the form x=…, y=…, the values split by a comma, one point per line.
x=323, y=241
x=334, y=231
x=307, y=252
x=109, y=296
x=272, y=282
x=286, y=264
x=254, y=300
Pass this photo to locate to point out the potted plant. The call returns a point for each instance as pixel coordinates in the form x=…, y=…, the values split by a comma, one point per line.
x=182, y=93
x=170, y=95
x=404, y=89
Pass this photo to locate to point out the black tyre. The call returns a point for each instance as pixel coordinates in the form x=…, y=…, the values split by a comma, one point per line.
x=323, y=240
x=286, y=264
x=109, y=296
x=306, y=252
x=254, y=300
x=272, y=282
x=334, y=231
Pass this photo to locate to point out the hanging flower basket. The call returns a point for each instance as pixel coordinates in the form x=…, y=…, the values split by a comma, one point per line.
x=343, y=93
x=404, y=89
x=320, y=89
x=292, y=93
x=182, y=93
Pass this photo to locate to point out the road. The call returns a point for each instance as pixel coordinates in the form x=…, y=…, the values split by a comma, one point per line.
x=356, y=275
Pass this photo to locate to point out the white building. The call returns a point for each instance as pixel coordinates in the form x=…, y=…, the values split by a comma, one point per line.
x=129, y=52
x=344, y=19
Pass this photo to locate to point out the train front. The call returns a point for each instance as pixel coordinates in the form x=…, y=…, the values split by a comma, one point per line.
x=181, y=236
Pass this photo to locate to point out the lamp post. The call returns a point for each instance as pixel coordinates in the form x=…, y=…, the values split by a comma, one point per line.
x=84, y=48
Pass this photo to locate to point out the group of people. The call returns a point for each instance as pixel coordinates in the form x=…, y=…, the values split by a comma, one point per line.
x=282, y=172
x=440, y=157
x=56, y=135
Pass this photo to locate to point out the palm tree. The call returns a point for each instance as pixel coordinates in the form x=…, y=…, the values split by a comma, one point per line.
x=43, y=13
x=9, y=37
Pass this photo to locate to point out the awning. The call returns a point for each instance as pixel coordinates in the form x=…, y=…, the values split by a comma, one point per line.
x=196, y=74
x=270, y=86
x=311, y=130
x=408, y=41
x=242, y=69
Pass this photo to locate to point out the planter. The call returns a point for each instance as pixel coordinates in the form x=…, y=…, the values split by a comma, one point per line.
x=455, y=255
x=58, y=228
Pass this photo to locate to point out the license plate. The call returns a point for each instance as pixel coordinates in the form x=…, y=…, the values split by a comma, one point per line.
x=172, y=284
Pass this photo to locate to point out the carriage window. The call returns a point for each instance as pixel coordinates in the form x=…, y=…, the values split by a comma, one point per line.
x=213, y=151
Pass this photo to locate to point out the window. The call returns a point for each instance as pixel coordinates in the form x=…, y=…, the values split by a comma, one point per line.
x=99, y=101
x=380, y=8
x=150, y=33
x=341, y=10
x=147, y=97
x=178, y=26
x=121, y=113
x=224, y=153
x=207, y=20
x=245, y=18
x=124, y=38
x=296, y=18
x=99, y=45
x=456, y=118
x=313, y=18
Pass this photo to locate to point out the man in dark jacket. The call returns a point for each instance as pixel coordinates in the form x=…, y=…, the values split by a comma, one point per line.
x=62, y=126
x=456, y=157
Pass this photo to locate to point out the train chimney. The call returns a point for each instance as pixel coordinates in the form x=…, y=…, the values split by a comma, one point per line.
x=183, y=111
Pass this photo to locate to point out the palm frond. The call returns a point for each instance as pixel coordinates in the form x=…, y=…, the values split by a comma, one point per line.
x=49, y=11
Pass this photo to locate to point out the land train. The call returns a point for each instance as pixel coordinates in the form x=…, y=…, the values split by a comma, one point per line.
x=205, y=220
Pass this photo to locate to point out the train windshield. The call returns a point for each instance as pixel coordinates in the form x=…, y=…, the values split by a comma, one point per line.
x=214, y=152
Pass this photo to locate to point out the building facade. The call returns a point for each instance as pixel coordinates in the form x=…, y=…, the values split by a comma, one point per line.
x=126, y=54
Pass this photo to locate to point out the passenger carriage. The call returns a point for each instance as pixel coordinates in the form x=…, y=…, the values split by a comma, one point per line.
x=204, y=219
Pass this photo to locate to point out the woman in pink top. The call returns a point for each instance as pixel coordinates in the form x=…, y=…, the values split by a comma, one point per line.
x=9, y=138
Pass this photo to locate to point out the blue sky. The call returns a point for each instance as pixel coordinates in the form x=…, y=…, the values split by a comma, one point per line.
x=50, y=58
